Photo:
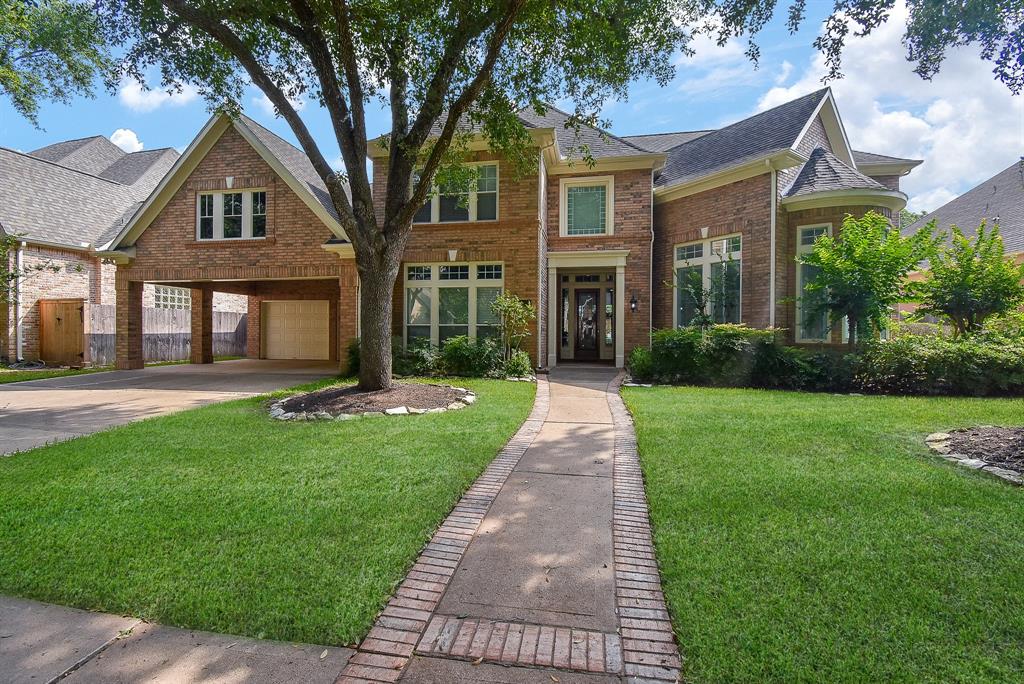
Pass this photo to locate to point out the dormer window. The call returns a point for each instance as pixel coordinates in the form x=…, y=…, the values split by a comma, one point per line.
x=231, y=215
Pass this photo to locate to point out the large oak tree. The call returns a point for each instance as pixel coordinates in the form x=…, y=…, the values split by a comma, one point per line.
x=444, y=67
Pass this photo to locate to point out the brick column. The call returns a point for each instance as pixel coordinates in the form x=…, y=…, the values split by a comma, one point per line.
x=129, y=321
x=202, y=325
x=253, y=329
x=348, y=310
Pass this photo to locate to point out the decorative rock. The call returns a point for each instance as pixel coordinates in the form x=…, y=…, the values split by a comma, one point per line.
x=417, y=411
x=397, y=411
x=436, y=410
x=1008, y=475
x=286, y=416
x=975, y=463
x=937, y=437
x=940, y=447
x=371, y=414
x=276, y=412
x=345, y=416
x=455, y=405
x=469, y=399
x=322, y=415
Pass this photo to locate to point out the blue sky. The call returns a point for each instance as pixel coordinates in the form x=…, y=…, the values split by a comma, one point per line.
x=965, y=125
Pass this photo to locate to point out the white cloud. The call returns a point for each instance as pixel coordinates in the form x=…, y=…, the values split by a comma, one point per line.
x=963, y=123
x=785, y=70
x=133, y=95
x=127, y=140
x=264, y=103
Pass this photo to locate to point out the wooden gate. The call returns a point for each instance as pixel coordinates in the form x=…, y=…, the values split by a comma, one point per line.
x=62, y=331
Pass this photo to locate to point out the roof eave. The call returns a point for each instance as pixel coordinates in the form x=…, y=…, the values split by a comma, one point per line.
x=376, y=149
x=776, y=161
x=889, y=168
x=890, y=199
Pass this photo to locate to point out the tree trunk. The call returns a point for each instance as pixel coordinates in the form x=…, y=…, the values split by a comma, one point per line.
x=376, y=289
x=851, y=335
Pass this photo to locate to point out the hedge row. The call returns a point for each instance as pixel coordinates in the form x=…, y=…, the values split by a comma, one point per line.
x=738, y=356
x=461, y=356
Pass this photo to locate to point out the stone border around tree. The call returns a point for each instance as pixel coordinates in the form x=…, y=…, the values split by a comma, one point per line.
x=277, y=409
x=938, y=442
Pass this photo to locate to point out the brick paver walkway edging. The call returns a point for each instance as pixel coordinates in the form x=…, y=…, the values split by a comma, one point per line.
x=649, y=650
x=386, y=650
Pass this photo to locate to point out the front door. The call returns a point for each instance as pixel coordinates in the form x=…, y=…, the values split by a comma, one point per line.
x=587, y=333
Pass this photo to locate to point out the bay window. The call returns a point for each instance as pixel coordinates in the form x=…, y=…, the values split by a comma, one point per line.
x=450, y=204
x=231, y=215
x=811, y=317
x=447, y=300
x=713, y=266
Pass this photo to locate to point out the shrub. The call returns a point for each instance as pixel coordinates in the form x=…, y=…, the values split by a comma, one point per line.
x=475, y=358
x=518, y=365
x=778, y=367
x=639, y=363
x=829, y=371
x=352, y=355
x=514, y=316
x=719, y=355
x=934, y=365
x=418, y=358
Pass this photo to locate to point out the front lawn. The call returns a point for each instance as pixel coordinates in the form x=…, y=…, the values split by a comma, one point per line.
x=221, y=518
x=8, y=375
x=810, y=537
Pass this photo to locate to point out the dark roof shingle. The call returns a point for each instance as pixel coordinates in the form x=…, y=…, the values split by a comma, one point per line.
x=861, y=157
x=1000, y=199
x=89, y=155
x=663, y=142
x=823, y=172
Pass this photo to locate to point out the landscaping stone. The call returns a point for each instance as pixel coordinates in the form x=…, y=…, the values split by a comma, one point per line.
x=397, y=411
x=320, y=403
x=941, y=444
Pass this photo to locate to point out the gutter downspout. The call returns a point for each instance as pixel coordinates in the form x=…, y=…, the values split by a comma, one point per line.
x=19, y=260
x=650, y=270
x=771, y=265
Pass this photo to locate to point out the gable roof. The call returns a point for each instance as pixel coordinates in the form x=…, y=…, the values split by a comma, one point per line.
x=755, y=137
x=600, y=143
x=1000, y=199
x=46, y=202
x=132, y=167
x=824, y=172
x=286, y=160
x=663, y=142
x=89, y=155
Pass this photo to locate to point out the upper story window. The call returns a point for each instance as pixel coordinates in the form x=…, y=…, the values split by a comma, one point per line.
x=587, y=206
x=231, y=215
x=713, y=266
x=811, y=316
x=448, y=204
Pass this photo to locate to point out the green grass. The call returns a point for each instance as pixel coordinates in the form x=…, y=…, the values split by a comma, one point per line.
x=811, y=537
x=223, y=519
x=8, y=375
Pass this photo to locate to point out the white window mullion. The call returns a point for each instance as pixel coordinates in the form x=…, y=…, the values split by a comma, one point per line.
x=246, y=215
x=218, y=216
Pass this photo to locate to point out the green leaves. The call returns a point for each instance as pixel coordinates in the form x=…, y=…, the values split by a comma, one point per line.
x=50, y=50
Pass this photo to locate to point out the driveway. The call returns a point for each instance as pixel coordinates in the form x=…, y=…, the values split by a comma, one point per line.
x=38, y=412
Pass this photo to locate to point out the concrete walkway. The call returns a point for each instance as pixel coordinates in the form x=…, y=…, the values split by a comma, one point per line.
x=45, y=643
x=545, y=568
x=38, y=412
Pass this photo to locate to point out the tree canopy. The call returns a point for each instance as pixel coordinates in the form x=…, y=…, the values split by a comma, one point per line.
x=49, y=50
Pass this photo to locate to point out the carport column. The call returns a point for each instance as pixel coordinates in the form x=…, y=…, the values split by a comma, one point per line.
x=202, y=324
x=348, y=310
x=129, y=321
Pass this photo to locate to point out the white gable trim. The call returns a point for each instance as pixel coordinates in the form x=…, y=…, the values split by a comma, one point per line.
x=834, y=129
x=186, y=165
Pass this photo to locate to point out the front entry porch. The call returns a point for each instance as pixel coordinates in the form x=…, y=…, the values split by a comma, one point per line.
x=586, y=300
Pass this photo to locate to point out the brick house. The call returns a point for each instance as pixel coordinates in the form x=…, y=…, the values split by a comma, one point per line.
x=596, y=246
x=63, y=203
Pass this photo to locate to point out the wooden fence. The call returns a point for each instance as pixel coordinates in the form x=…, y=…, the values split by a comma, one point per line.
x=166, y=334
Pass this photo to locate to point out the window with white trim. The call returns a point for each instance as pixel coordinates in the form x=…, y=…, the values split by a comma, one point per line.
x=811, y=318
x=454, y=205
x=167, y=297
x=587, y=206
x=446, y=300
x=715, y=265
x=231, y=215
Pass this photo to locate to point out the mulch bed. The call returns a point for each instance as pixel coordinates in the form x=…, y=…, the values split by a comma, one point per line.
x=998, y=446
x=337, y=400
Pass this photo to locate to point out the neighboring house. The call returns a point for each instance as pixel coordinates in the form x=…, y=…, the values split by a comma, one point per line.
x=596, y=246
x=997, y=201
x=64, y=202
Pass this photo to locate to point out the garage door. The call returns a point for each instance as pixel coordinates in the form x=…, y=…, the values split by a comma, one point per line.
x=296, y=330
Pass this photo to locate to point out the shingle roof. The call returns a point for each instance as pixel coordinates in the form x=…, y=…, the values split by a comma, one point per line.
x=823, y=172
x=861, y=157
x=663, y=142
x=293, y=159
x=998, y=199
x=90, y=155
x=45, y=201
x=50, y=195
x=752, y=138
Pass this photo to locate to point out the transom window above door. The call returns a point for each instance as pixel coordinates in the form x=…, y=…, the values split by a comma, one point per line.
x=231, y=215
x=453, y=205
x=712, y=266
x=587, y=206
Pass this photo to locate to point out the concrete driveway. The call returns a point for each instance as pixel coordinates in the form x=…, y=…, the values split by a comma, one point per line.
x=38, y=412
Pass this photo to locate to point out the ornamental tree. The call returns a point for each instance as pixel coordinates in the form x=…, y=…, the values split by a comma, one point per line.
x=440, y=68
x=862, y=272
x=970, y=279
